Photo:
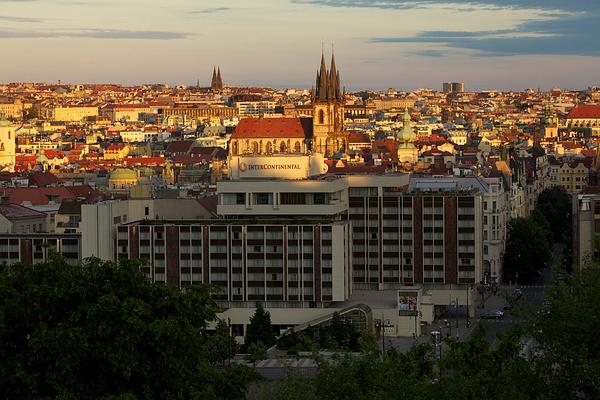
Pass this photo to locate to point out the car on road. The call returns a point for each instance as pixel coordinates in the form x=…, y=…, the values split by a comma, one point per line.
x=517, y=293
x=508, y=307
x=496, y=314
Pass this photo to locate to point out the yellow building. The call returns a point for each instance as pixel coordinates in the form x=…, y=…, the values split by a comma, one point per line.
x=116, y=151
x=7, y=145
x=13, y=110
x=73, y=113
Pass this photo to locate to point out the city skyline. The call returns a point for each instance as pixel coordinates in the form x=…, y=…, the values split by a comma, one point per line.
x=380, y=44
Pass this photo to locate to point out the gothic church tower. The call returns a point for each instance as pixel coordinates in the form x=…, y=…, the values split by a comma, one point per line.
x=328, y=111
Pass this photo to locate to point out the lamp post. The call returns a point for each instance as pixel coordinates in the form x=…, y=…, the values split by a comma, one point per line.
x=468, y=293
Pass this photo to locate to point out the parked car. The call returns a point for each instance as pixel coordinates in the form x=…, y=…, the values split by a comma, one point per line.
x=508, y=307
x=517, y=293
x=496, y=314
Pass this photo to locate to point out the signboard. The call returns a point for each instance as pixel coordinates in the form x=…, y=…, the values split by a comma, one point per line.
x=280, y=167
x=408, y=302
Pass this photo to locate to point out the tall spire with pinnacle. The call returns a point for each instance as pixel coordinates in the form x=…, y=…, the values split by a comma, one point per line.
x=213, y=81
x=322, y=80
x=219, y=80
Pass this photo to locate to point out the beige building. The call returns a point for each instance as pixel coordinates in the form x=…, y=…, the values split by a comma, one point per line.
x=12, y=110
x=72, y=113
x=99, y=221
x=393, y=103
x=574, y=176
x=7, y=144
x=586, y=227
x=15, y=218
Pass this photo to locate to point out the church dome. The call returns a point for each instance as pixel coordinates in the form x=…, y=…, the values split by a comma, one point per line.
x=406, y=133
x=123, y=174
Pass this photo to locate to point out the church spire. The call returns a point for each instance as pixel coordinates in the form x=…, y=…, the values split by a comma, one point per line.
x=214, y=82
x=323, y=78
x=333, y=79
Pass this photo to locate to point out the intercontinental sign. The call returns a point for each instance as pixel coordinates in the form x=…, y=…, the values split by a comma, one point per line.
x=280, y=167
x=246, y=167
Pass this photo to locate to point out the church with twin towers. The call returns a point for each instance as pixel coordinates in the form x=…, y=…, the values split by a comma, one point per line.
x=323, y=133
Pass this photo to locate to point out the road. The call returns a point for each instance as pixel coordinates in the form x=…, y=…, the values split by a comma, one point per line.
x=532, y=299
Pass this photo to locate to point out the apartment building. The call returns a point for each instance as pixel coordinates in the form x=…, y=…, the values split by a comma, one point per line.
x=586, y=227
x=34, y=248
x=278, y=262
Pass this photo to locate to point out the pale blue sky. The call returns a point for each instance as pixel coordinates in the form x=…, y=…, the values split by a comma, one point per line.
x=504, y=44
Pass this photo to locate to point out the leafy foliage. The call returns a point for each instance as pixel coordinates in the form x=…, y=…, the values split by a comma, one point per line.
x=527, y=249
x=260, y=329
x=568, y=336
x=339, y=334
x=555, y=204
x=256, y=351
x=102, y=330
x=221, y=345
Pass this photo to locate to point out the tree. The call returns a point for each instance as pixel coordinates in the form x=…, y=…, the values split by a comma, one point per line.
x=569, y=350
x=540, y=220
x=102, y=330
x=527, y=249
x=555, y=204
x=260, y=329
x=256, y=351
x=221, y=345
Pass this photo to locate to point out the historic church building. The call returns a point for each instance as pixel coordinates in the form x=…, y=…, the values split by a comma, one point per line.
x=329, y=137
x=323, y=133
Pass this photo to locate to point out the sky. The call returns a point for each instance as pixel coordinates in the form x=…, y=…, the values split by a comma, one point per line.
x=378, y=44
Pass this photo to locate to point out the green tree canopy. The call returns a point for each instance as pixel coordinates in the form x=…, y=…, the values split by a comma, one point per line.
x=221, y=345
x=555, y=204
x=102, y=330
x=260, y=329
x=567, y=332
x=527, y=249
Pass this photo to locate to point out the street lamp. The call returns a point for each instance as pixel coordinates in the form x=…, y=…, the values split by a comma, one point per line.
x=436, y=338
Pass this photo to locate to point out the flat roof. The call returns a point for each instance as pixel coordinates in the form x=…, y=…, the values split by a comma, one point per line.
x=262, y=220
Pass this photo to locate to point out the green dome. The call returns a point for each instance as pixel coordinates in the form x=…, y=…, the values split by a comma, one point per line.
x=123, y=174
x=406, y=133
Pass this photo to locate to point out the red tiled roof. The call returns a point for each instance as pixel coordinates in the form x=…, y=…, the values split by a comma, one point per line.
x=50, y=154
x=43, y=179
x=116, y=147
x=585, y=112
x=42, y=196
x=180, y=146
x=570, y=145
x=355, y=137
x=273, y=128
x=589, y=152
x=143, y=160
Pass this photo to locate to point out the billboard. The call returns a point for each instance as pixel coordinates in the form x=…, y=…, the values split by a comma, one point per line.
x=408, y=302
x=276, y=166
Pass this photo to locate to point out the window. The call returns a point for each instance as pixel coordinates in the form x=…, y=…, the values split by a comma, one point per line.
x=292, y=198
x=321, y=117
x=146, y=211
x=264, y=198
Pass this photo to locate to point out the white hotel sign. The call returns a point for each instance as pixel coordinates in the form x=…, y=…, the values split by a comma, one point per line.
x=281, y=167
